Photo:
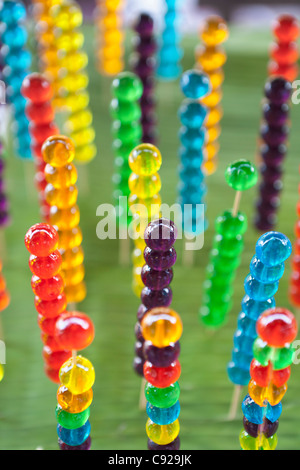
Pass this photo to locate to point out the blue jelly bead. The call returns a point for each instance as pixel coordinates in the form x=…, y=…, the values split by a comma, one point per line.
x=19, y=104
x=14, y=37
x=265, y=274
x=247, y=325
x=259, y=291
x=191, y=195
x=273, y=412
x=192, y=138
x=192, y=113
x=191, y=158
x=12, y=12
x=18, y=59
x=255, y=413
x=191, y=176
x=170, y=54
x=242, y=342
x=169, y=71
x=237, y=375
x=253, y=308
x=163, y=416
x=273, y=248
x=241, y=359
x=74, y=437
x=195, y=84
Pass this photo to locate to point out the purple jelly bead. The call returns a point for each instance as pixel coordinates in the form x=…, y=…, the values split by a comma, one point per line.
x=250, y=428
x=148, y=85
x=143, y=67
x=160, y=260
x=154, y=279
x=274, y=136
x=2, y=163
x=269, y=428
x=265, y=224
x=161, y=357
x=148, y=104
x=266, y=208
x=150, y=137
x=276, y=114
x=156, y=298
x=4, y=218
x=271, y=188
x=278, y=90
x=138, y=348
x=145, y=25
x=271, y=175
x=3, y=202
x=148, y=122
x=269, y=197
x=86, y=445
x=138, y=332
x=138, y=366
x=160, y=234
x=273, y=156
x=145, y=47
x=174, y=445
x=142, y=310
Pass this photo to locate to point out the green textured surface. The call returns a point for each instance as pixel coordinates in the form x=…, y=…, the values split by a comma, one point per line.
x=27, y=397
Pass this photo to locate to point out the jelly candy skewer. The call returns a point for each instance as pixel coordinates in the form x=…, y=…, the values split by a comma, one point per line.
x=228, y=244
x=270, y=370
x=266, y=269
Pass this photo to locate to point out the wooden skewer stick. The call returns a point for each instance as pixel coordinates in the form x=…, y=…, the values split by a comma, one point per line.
x=236, y=203
x=142, y=402
x=74, y=356
x=188, y=256
x=235, y=401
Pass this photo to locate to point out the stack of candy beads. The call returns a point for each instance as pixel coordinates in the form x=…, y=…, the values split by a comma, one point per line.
x=170, y=53
x=17, y=62
x=261, y=284
x=110, y=36
x=226, y=251
x=4, y=204
x=61, y=193
x=210, y=58
x=270, y=370
x=74, y=80
x=156, y=275
x=45, y=262
x=162, y=327
x=75, y=331
x=4, y=303
x=143, y=65
x=274, y=132
x=125, y=109
x=192, y=133
x=284, y=52
x=40, y=113
x=294, y=284
x=144, y=201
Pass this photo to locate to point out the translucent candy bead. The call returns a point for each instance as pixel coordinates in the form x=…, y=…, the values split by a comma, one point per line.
x=144, y=186
x=237, y=374
x=162, y=397
x=71, y=238
x=45, y=267
x=161, y=326
x=230, y=226
x=1, y=372
x=248, y=442
x=215, y=31
x=195, y=84
x=78, y=377
x=162, y=434
x=71, y=420
x=74, y=437
x=75, y=293
x=64, y=219
x=273, y=248
x=163, y=416
x=145, y=160
x=74, y=330
x=253, y=308
x=192, y=114
x=272, y=394
x=58, y=151
x=162, y=377
x=259, y=291
x=277, y=327
x=74, y=403
x=41, y=240
x=265, y=274
x=255, y=413
x=61, y=177
x=127, y=86
x=241, y=175
x=62, y=198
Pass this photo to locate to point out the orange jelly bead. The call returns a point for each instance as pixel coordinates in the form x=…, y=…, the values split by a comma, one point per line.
x=58, y=151
x=69, y=239
x=74, y=403
x=74, y=275
x=215, y=31
x=76, y=293
x=271, y=394
x=210, y=58
x=210, y=167
x=64, y=219
x=61, y=198
x=161, y=326
x=72, y=258
x=212, y=133
x=214, y=116
x=213, y=99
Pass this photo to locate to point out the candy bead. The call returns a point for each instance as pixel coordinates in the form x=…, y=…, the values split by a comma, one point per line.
x=160, y=235
x=41, y=240
x=74, y=330
x=194, y=84
x=86, y=445
x=273, y=248
x=163, y=416
x=162, y=376
x=162, y=397
x=241, y=175
x=145, y=160
x=45, y=267
x=161, y=326
x=58, y=151
x=162, y=434
x=174, y=445
x=72, y=403
x=277, y=327
x=78, y=377
x=74, y=437
x=161, y=356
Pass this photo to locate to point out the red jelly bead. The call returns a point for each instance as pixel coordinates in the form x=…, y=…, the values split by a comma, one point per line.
x=297, y=247
x=42, y=132
x=55, y=359
x=285, y=54
x=52, y=374
x=280, y=377
x=289, y=72
x=36, y=88
x=74, y=330
x=162, y=377
x=297, y=229
x=51, y=308
x=294, y=296
x=41, y=239
x=40, y=113
x=295, y=279
x=286, y=28
x=47, y=325
x=277, y=327
x=47, y=289
x=50, y=341
x=296, y=263
x=260, y=374
x=47, y=266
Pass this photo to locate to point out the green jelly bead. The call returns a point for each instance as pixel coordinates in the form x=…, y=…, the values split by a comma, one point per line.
x=223, y=294
x=230, y=226
x=248, y=442
x=214, y=320
x=262, y=351
x=241, y=175
x=127, y=133
x=228, y=246
x=127, y=87
x=123, y=150
x=224, y=264
x=162, y=397
x=125, y=111
x=283, y=357
x=217, y=277
x=71, y=420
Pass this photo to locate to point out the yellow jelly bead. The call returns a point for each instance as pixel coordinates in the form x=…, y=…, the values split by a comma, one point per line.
x=145, y=159
x=137, y=283
x=162, y=434
x=212, y=134
x=112, y=52
x=210, y=167
x=76, y=82
x=70, y=41
x=74, y=403
x=248, y=442
x=161, y=326
x=85, y=153
x=112, y=5
x=76, y=121
x=61, y=198
x=70, y=238
x=211, y=150
x=58, y=150
x=76, y=61
x=138, y=257
x=83, y=137
x=215, y=31
x=73, y=276
x=271, y=394
x=111, y=67
x=1, y=372
x=110, y=21
x=77, y=102
x=113, y=36
x=152, y=205
x=75, y=292
x=64, y=219
x=61, y=177
x=216, y=78
x=78, y=376
x=144, y=186
x=214, y=116
x=67, y=17
x=72, y=257
x=210, y=58
x=213, y=99
x=140, y=243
